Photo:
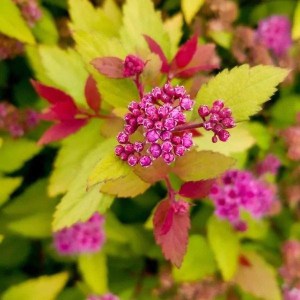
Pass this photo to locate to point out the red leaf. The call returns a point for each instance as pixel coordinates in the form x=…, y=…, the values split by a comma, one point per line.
x=244, y=261
x=185, y=53
x=92, y=95
x=171, y=225
x=196, y=189
x=189, y=72
x=109, y=66
x=51, y=94
x=61, y=130
x=155, y=48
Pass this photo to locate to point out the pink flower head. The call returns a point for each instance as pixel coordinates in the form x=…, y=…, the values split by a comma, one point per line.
x=293, y=294
x=270, y=164
x=133, y=66
x=275, y=33
x=30, y=10
x=82, y=237
x=237, y=191
x=217, y=119
x=156, y=117
x=108, y=296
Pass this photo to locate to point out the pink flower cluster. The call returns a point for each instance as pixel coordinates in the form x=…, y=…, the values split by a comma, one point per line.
x=16, y=122
x=30, y=10
x=270, y=164
x=217, y=119
x=133, y=66
x=239, y=190
x=293, y=294
x=275, y=33
x=9, y=47
x=82, y=237
x=108, y=296
x=156, y=115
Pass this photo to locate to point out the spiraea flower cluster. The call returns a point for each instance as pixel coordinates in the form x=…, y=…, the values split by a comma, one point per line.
x=30, y=10
x=239, y=191
x=108, y=296
x=133, y=66
x=217, y=119
x=9, y=47
x=275, y=33
x=82, y=237
x=155, y=117
x=16, y=122
x=270, y=164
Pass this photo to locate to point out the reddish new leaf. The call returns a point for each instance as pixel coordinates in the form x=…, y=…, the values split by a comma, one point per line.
x=109, y=66
x=92, y=95
x=155, y=48
x=51, y=94
x=61, y=130
x=196, y=189
x=171, y=225
x=185, y=53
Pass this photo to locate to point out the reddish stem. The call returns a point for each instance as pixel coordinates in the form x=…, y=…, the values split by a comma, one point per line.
x=139, y=85
x=170, y=189
x=188, y=126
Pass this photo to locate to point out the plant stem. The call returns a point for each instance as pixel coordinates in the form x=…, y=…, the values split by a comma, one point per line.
x=188, y=126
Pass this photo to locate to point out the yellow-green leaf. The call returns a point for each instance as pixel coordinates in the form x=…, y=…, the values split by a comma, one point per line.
x=225, y=245
x=190, y=8
x=108, y=168
x=14, y=153
x=243, y=89
x=296, y=22
x=94, y=271
x=44, y=287
x=194, y=166
x=240, y=140
x=140, y=17
x=8, y=186
x=198, y=262
x=250, y=278
x=13, y=24
x=1, y=238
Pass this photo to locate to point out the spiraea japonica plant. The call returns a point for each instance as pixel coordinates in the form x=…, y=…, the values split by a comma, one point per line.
x=157, y=160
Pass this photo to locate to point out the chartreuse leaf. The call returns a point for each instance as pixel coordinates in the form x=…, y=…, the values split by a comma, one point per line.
x=243, y=89
x=110, y=167
x=113, y=12
x=94, y=271
x=117, y=93
x=225, y=245
x=14, y=153
x=79, y=203
x=296, y=22
x=240, y=140
x=12, y=23
x=45, y=29
x=8, y=186
x=86, y=17
x=139, y=18
x=65, y=69
x=261, y=134
x=1, y=238
x=68, y=161
x=198, y=262
x=44, y=287
x=250, y=276
x=30, y=213
x=190, y=8
x=194, y=166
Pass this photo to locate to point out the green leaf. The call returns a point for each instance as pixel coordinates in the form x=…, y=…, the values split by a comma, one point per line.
x=139, y=17
x=222, y=38
x=68, y=162
x=108, y=168
x=190, y=8
x=296, y=22
x=198, y=262
x=13, y=24
x=44, y=287
x=240, y=140
x=79, y=203
x=225, y=245
x=94, y=271
x=45, y=29
x=250, y=277
x=8, y=186
x=261, y=134
x=14, y=153
x=194, y=166
x=243, y=89
x=85, y=17
x=1, y=238
x=66, y=70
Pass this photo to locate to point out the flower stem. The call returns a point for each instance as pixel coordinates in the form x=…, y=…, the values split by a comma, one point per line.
x=188, y=126
x=170, y=189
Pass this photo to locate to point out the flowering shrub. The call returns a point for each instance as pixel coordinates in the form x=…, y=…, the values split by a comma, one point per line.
x=138, y=159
